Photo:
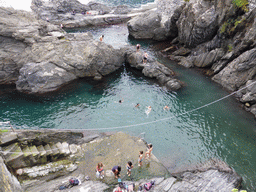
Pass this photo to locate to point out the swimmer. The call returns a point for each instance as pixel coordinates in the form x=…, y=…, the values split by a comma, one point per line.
x=148, y=110
x=166, y=107
x=121, y=101
x=137, y=105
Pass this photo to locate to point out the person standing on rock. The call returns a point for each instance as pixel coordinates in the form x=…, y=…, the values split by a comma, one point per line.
x=129, y=167
x=140, y=158
x=101, y=37
x=137, y=47
x=145, y=57
x=149, y=151
x=99, y=168
x=116, y=170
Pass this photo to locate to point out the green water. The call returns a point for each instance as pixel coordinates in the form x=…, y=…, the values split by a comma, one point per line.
x=180, y=139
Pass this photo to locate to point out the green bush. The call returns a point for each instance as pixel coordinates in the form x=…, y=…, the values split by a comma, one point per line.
x=242, y=4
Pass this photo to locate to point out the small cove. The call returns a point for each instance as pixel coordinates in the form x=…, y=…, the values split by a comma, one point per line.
x=180, y=139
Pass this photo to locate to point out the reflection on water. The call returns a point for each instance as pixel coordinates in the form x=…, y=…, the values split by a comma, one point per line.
x=180, y=139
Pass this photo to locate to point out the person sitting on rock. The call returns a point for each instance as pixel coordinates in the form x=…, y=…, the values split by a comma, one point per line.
x=145, y=57
x=116, y=170
x=73, y=12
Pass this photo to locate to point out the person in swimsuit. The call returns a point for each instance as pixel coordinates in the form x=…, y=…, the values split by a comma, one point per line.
x=137, y=105
x=145, y=57
x=138, y=47
x=100, y=169
x=166, y=107
x=129, y=167
x=149, y=151
x=101, y=37
x=116, y=170
x=140, y=158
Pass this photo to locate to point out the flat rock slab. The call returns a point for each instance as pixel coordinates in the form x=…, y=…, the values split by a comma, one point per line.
x=118, y=149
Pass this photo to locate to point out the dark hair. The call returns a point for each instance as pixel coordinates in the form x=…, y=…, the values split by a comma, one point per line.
x=102, y=35
x=141, y=152
x=119, y=168
x=120, y=101
x=150, y=145
x=129, y=163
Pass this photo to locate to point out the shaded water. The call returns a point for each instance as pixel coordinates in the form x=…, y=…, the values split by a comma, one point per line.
x=180, y=138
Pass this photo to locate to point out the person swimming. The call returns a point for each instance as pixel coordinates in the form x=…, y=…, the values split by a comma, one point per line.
x=137, y=105
x=148, y=110
x=166, y=107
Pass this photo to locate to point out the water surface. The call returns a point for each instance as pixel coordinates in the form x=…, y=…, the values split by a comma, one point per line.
x=180, y=138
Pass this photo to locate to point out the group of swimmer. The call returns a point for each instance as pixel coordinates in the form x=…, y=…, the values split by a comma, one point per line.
x=117, y=169
x=149, y=108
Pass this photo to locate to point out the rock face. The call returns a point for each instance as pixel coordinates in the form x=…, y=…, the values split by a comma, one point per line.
x=220, y=37
x=40, y=57
x=7, y=181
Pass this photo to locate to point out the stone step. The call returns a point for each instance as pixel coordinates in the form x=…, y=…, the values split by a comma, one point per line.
x=14, y=156
x=8, y=138
x=55, y=150
x=60, y=148
x=12, y=152
x=43, y=154
x=28, y=156
x=65, y=146
x=48, y=149
x=34, y=152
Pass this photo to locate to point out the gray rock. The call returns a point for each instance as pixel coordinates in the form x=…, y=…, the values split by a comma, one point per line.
x=8, y=182
x=144, y=25
x=208, y=58
x=238, y=72
x=122, y=9
x=153, y=69
x=187, y=62
x=197, y=23
x=211, y=180
x=42, y=77
x=41, y=57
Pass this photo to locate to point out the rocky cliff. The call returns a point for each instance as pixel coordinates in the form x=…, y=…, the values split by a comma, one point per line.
x=216, y=35
x=40, y=57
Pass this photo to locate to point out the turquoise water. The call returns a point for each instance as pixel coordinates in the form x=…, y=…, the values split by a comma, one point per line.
x=181, y=138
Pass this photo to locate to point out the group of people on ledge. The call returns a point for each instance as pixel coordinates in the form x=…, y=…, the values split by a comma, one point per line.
x=117, y=169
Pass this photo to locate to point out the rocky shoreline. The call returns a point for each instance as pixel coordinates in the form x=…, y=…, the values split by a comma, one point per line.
x=44, y=160
x=214, y=35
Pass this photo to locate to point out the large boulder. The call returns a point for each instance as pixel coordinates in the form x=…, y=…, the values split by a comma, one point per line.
x=58, y=62
x=153, y=69
x=41, y=57
x=144, y=25
x=157, y=25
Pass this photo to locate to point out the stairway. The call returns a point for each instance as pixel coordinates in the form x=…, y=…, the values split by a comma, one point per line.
x=27, y=156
